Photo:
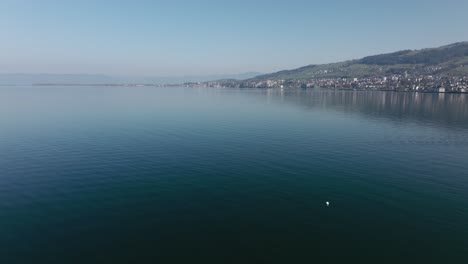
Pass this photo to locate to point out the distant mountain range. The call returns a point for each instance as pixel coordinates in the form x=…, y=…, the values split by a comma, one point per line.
x=27, y=79
x=449, y=60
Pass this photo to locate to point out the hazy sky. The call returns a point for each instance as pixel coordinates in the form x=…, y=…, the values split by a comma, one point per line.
x=169, y=38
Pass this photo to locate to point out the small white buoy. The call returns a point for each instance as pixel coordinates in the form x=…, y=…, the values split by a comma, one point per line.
x=327, y=203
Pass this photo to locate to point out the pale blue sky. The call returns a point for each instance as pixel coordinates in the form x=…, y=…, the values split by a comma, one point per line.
x=170, y=38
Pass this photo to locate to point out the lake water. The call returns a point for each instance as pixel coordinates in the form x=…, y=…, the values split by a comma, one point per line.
x=205, y=175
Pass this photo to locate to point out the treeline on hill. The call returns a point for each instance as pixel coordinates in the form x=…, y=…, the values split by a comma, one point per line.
x=449, y=60
x=427, y=56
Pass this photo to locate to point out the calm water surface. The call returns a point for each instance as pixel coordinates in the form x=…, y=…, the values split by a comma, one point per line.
x=187, y=175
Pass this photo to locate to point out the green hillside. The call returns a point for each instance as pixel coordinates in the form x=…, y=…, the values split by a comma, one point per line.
x=449, y=60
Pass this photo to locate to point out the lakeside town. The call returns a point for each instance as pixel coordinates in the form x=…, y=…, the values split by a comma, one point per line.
x=394, y=82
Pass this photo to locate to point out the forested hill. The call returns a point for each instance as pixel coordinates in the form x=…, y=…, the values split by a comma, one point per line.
x=449, y=60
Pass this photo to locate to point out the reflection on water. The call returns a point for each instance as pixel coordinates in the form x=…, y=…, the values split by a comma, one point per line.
x=438, y=108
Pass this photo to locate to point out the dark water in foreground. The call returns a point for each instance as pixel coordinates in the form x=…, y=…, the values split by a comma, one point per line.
x=185, y=175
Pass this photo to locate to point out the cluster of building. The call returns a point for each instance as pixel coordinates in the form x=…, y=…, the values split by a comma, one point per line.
x=396, y=82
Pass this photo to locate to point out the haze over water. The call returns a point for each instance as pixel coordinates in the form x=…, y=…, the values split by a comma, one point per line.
x=122, y=174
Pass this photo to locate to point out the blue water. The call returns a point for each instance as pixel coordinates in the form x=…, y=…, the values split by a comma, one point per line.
x=205, y=175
